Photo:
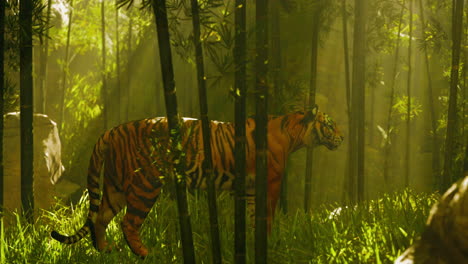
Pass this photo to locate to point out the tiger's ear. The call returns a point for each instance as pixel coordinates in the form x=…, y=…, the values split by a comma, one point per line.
x=314, y=110
x=310, y=115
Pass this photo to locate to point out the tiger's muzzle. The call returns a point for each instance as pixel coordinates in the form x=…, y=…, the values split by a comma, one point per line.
x=334, y=143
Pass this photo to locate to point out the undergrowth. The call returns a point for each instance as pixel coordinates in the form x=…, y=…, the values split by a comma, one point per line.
x=374, y=232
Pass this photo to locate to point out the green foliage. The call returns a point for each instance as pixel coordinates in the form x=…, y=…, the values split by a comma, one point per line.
x=401, y=107
x=292, y=96
x=12, y=45
x=86, y=33
x=437, y=29
x=461, y=127
x=83, y=100
x=375, y=74
x=217, y=35
x=86, y=108
x=329, y=11
x=376, y=232
x=462, y=114
x=384, y=18
x=168, y=155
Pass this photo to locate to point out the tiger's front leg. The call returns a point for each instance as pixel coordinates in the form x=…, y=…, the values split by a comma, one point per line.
x=274, y=187
x=139, y=204
x=250, y=200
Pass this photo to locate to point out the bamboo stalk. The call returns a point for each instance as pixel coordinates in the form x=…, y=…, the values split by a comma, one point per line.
x=431, y=101
x=129, y=56
x=358, y=98
x=311, y=101
x=104, y=71
x=207, y=161
x=392, y=95
x=44, y=57
x=261, y=123
x=349, y=188
x=457, y=26
x=66, y=68
x=2, y=96
x=160, y=13
x=408, y=92
x=117, y=61
x=240, y=85
x=26, y=107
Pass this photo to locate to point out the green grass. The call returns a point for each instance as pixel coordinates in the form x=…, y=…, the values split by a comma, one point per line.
x=376, y=232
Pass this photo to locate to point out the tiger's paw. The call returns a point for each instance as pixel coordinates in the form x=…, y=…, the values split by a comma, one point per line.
x=109, y=247
x=112, y=247
x=142, y=252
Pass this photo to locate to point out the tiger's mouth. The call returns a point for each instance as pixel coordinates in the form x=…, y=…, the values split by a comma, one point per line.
x=331, y=146
x=334, y=144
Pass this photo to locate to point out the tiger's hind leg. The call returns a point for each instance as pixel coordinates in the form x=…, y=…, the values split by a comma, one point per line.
x=250, y=200
x=113, y=201
x=139, y=204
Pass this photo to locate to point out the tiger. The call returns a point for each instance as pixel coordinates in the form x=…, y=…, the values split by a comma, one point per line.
x=132, y=178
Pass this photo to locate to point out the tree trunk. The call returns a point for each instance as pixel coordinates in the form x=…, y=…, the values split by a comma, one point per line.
x=2, y=96
x=162, y=27
x=44, y=54
x=117, y=62
x=104, y=70
x=311, y=99
x=392, y=97
x=129, y=56
x=357, y=98
x=240, y=47
x=66, y=67
x=207, y=162
x=349, y=187
x=457, y=26
x=26, y=107
x=261, y=122
x=431, y=102
x=408, y=92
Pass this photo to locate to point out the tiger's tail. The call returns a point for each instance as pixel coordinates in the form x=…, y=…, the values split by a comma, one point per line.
x=94, y=170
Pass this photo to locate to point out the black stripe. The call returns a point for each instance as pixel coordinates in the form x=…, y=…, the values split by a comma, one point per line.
x=275, y=158
x=224, y=178
x=93, y=207
x=219, y=141
x=145, y=151
x=134, y=211
x=92, y=168
x=113, y=174
x=149, y=202
x=114, y=210
x=90, y=224
x=230, y=139
x=284, y=121
x=94, y=195
x=154, y=181
x=92, y=183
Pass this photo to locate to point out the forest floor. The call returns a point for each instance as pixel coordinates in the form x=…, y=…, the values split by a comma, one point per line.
x=375, y=232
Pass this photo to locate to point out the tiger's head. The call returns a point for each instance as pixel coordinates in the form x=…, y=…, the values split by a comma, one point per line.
x=321, y=130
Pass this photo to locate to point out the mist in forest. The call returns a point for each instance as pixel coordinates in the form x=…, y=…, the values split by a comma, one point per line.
x=140, y=94
x=387, y=72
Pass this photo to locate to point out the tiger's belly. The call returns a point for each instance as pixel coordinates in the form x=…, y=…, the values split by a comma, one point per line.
x=223, y=180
